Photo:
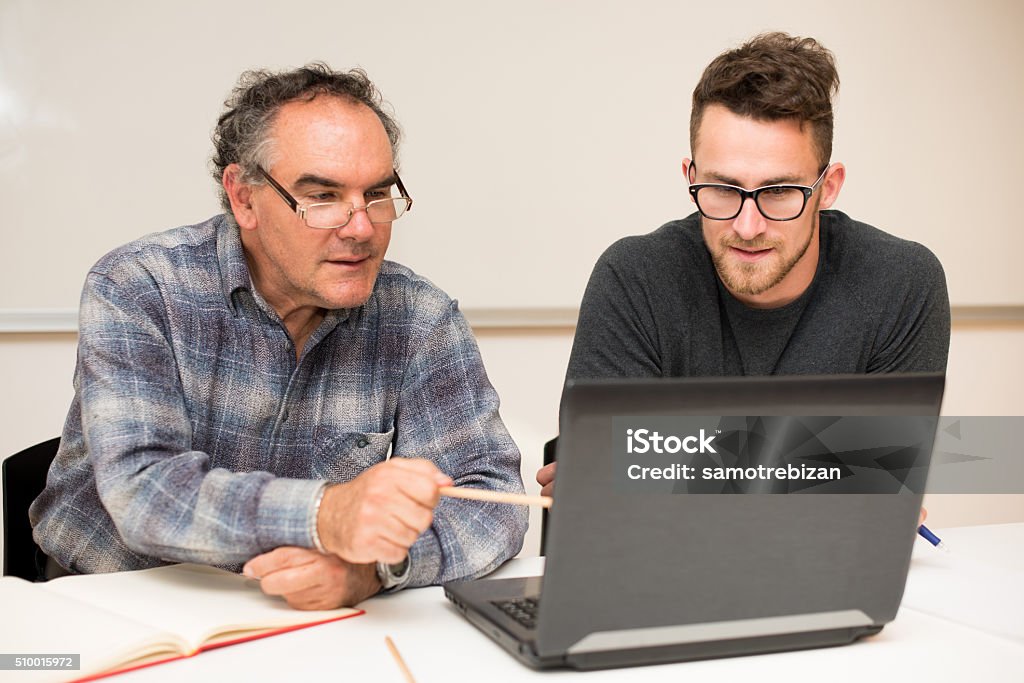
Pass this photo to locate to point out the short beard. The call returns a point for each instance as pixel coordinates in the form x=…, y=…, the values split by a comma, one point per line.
x=751, y=279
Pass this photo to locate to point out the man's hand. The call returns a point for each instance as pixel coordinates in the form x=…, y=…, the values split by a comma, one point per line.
x=377, y=516
x=546, y=478
x=924, y=516
x=307, y=579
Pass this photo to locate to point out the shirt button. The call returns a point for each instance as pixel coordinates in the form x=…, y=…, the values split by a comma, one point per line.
x=362, y=443
x=284, y=417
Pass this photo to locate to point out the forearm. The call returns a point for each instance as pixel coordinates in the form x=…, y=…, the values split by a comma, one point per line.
x=467, y=539
x=178, y=511
x=470, y=538
x=452, y=419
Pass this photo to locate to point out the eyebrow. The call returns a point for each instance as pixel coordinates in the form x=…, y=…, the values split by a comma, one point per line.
x=778, y=180
x=311, y=179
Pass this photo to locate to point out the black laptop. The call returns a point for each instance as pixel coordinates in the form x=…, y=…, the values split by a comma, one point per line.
x=699, y=518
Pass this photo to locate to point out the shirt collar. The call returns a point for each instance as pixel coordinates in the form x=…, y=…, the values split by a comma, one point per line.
x=234, y=271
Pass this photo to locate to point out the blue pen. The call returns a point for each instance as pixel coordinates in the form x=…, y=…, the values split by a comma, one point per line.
x=927, y=535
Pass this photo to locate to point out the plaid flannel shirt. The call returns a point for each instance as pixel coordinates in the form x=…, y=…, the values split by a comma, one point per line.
x=195, y=435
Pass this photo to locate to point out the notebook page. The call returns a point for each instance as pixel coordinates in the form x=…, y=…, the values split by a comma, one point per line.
x=194, y=601
x=37, y=621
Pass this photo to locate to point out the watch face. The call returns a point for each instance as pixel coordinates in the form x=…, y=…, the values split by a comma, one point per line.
x=391, y=575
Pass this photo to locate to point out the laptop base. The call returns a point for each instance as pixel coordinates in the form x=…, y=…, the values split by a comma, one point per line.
x=519, y=642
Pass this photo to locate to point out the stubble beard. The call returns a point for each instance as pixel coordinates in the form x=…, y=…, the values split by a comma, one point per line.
x=751, y=279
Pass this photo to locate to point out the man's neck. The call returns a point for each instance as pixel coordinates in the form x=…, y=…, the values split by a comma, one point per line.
x=300, y=320
x=301, y=323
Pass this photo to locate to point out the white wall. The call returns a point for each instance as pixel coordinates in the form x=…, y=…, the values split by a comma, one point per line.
x=535, y=129
x=985, y=377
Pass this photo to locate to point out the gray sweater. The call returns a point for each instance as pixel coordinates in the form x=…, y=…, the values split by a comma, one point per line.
x=655, y=306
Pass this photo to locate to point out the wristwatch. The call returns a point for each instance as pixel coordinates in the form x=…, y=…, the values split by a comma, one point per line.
x=393, y=577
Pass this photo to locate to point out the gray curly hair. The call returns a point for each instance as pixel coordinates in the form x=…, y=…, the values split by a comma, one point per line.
x=242, y=134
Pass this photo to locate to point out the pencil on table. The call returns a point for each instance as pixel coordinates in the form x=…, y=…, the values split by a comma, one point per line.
x=398, y=658
x=495, y=496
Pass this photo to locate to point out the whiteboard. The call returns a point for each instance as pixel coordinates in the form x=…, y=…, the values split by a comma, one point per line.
x=536, y=133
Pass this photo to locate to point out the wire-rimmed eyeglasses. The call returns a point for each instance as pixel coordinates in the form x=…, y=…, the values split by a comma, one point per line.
x=334, y=215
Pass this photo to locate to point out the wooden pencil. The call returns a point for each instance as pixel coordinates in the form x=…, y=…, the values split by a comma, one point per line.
x=495, y=496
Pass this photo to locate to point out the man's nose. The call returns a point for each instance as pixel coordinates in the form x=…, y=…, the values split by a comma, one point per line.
x=749, y=223
x=358, y=227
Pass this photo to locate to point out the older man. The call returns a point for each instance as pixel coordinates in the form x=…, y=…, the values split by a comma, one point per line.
x=264, y=388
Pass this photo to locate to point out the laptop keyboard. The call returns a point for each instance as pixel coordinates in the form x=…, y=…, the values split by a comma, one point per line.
x=523, y=610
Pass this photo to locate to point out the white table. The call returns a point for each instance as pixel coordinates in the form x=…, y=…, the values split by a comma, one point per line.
x=440, y=645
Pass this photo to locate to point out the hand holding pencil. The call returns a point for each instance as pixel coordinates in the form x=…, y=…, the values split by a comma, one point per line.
x=353, y=533
x=379, y=515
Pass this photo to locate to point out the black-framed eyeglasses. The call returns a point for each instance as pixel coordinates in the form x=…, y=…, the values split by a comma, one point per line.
x=720, y=202
x=334, y=215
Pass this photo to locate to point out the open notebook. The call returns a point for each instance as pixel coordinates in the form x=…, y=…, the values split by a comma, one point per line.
x=128, y=620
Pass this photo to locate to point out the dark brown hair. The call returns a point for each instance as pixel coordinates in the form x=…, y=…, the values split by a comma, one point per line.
x=771, y=77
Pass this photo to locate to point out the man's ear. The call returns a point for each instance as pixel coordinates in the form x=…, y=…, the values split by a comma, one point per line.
x=830, y=186
x=240, y=196
x=689, y=173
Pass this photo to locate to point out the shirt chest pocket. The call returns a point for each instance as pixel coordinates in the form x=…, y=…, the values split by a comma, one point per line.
x=345, y=456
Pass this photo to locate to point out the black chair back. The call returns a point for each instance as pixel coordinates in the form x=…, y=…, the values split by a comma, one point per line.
x=24, y=477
